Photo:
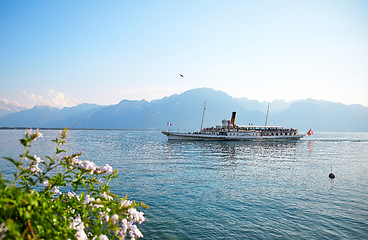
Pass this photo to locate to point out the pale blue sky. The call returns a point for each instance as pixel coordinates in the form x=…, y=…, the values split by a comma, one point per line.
x=62, y=53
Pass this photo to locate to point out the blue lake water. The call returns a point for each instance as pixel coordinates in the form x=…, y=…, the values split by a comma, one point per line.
x=229, y=190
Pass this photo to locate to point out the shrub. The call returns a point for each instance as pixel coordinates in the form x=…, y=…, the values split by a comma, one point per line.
x=63, y=197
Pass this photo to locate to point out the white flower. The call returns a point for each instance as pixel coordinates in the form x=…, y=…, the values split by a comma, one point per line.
x=88, y=199
x=71, y=210
x=3, y=229
x=103, y=237
x=135, y=215
x=70, y=194
x=78, y=225
x=126, y=203
x=134, y=232
x=37, y=133
x=121, y=234
x=34, y=165
x=74, y=160
x=55, y=190
x=35, y=168
x=106, y=169
x=124, y=224
x=73, y=194
x=115, y=218
x=98, y=206
x=103, y=215
x=37, y=159
x=88, y=165
x=106, y=196
x=46, y=183
x=81, y=235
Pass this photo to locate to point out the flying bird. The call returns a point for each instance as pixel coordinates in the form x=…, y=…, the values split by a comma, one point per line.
x=181, y=75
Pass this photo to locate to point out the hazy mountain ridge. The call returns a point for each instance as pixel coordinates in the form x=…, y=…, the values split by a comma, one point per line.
x=44, y=116
x=6, y=108
x=327, y=116
x=185, y=110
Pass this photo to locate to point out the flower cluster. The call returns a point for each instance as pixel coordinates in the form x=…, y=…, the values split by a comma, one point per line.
x=128, y=224
x=3, y=229
x=124, y=225
x=91, y=166
x=78, y=225
x=34, y=164
x=33, y=135
x=68, y=198
x=133, y=230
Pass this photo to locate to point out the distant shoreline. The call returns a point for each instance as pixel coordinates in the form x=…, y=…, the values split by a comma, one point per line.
x=88, y=129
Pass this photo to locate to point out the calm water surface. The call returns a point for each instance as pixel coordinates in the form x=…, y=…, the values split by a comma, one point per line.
x=230, y=190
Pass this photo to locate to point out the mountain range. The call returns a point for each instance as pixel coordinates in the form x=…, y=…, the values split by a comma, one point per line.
x=185, y=111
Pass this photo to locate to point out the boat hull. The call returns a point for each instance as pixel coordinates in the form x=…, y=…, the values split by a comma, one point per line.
x=206, y=137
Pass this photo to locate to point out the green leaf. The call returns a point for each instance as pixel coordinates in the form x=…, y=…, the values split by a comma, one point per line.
x=16, y=163
x=59, y=151
x=24, y=142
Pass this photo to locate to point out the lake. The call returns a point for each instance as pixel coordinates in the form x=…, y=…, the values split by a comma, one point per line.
x=229, y=190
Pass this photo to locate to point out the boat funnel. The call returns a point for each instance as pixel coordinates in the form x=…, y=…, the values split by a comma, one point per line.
x=233, y=118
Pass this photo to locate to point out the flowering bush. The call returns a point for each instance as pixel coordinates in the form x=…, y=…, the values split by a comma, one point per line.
x=63, y=197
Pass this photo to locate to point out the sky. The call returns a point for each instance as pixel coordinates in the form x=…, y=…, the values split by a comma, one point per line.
x=63, y=53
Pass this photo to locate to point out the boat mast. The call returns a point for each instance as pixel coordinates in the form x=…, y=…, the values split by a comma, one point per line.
x=204, y=109
x=268, y=108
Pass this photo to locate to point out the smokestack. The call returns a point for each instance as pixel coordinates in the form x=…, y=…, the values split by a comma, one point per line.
x=233, y=118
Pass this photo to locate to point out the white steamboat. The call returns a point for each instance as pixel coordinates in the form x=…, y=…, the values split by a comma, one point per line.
x=230, y=131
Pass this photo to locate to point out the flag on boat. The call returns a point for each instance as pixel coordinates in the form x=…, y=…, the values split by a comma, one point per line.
x=169, y=124
x=310, y=132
